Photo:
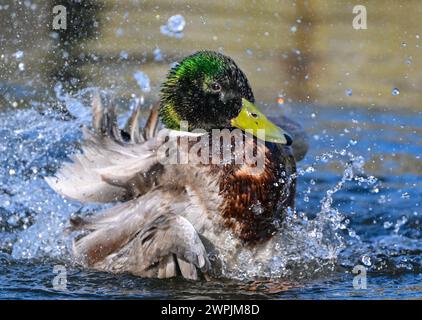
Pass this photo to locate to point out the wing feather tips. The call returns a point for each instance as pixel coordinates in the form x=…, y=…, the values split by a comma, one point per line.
x=189, y=250
x=94, y=175
x=97, y=112
x=82, y=186
x=188, y=270
x=144, y=238
x=167, y=268
x=132, y=125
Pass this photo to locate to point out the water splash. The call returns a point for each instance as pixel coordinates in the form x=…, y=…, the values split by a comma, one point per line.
x=395, y=91
x=305, y=247
x=174, y=27
x=143, y=81
x=313, y=240
x=34, y=144
x=18, y=55
x=158, y=55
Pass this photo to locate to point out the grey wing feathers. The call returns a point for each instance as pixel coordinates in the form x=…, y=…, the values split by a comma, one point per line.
x=109, y=168
x=142, y=237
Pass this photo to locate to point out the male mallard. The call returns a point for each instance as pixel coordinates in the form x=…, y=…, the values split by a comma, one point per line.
x=186, y=217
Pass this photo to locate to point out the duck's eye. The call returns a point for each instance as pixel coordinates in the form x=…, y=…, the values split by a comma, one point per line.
x=215, y=86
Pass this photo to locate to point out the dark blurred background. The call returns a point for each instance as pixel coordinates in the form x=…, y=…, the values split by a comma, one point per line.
x=304, y=51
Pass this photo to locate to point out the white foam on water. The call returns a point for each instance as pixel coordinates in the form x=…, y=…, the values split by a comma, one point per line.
x=305, y=247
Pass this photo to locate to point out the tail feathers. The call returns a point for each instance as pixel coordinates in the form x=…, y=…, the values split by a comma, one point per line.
x=104, y=122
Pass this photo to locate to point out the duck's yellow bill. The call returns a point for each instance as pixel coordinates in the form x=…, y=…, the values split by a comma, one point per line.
x=252, y=119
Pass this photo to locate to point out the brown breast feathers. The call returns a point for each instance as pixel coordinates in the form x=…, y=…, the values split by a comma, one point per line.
x=254, y=199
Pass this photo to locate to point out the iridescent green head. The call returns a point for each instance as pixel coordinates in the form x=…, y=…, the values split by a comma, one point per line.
x=205, y=89
x=209, y=91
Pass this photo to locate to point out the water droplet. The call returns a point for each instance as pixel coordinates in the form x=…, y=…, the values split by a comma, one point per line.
x=395, y=91
x=366, y=260
x=352, y=233
x=120, y=32
x=143, y=81
x=293, y=29
x=249, y=52
x=123, y=55
x=405, y=195
x=12, y=172
x=54, y=35
x=18, y=55
x=174, y=27
x=353, y=142
x=408, y=60
x=313, y=115
x=309, y=169
x=21, y=66
x=403, y=44
x=388, y=224
x=372, y=180
x=176, y=23
x=400, y=223
x=280, y=100
x=158, y=56
x=257, y=209
x=349, y=92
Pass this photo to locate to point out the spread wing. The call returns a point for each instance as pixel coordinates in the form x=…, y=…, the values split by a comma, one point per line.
x=114, y=164
x=142, y=236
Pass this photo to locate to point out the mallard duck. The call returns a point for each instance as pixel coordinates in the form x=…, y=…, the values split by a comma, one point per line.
x=192, y=219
